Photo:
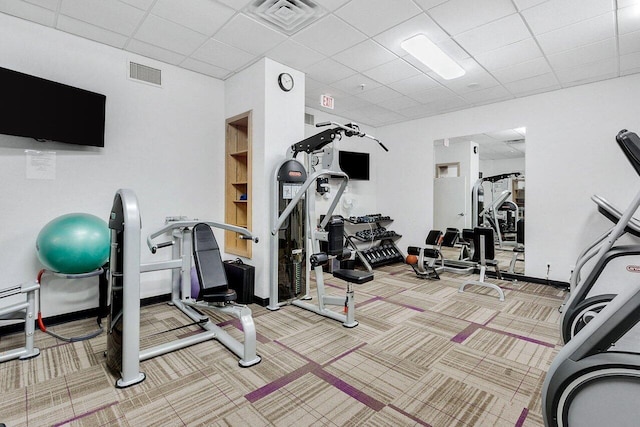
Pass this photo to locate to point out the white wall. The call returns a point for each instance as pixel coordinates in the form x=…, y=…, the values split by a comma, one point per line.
x=167, y=144
x=571, y=154
x=278, y=122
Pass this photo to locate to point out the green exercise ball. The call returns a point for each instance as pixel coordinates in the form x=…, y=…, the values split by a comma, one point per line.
x=74, y=243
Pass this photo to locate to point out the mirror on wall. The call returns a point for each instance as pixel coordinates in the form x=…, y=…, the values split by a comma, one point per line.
x=480, y=180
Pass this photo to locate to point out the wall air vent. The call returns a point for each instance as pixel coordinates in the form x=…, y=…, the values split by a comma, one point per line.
x=145, y=74
x=309, y=119
x=287, y=16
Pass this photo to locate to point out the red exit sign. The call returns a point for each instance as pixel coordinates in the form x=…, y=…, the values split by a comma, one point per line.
x=326, y=101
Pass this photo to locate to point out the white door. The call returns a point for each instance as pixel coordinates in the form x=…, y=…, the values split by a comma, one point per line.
x=451, y=203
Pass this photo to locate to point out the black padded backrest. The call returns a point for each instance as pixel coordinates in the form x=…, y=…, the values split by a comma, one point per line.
x=206, y=255
x=467, y=234
x=630, y=144
x=450, y=237
x=489, y=244
x=433, y=237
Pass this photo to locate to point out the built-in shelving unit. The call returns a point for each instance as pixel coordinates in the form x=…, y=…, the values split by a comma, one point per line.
x=238, y=195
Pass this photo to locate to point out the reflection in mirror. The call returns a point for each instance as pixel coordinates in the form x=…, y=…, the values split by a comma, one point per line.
x=485, y=188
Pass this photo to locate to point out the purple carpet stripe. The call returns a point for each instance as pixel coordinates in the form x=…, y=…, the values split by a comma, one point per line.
x=523, y=416
x=344, y=354
x=522, y=337
x=408, y=415
x=360, y=396
x=86, y=414
x=267, y=389
x=369, y=301
x=410, y=307
x=465, y=333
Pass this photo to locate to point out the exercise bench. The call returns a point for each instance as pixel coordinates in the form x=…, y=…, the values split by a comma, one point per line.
x=484, y=255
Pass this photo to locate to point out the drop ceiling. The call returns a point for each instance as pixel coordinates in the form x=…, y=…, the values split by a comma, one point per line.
x=350, y=49
x=499, y=145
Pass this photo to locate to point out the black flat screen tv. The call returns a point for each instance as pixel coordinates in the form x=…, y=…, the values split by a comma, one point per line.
x=45, y=110
x=355, y=165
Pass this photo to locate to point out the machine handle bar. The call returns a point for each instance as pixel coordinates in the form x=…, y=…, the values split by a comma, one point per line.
x=352, y=129
x=244, y=233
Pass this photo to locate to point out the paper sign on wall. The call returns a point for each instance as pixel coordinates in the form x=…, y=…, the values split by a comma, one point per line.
x=41, y=164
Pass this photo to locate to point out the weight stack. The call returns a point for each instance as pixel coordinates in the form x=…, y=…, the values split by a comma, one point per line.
x=241, y=278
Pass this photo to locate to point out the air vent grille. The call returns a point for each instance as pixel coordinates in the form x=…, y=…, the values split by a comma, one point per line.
x=145, y=74
x=288, y=16
x=309, y=119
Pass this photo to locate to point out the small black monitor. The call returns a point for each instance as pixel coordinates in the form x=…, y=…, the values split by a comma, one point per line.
x=46, y=110
x=354, y=164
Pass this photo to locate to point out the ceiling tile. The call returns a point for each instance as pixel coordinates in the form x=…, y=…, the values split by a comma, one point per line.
x=111, y=15
x=249, y=35
x=331, y=4
x=222, y=55
x=203, y=16
x=630, y=62
x=625, y=3
x=501, y=136
x=526, y=4
x=414, y=84
x=629, y=43
x=600, y=69
x=494, y=35
x=400, y=103
x=47, y=4
x=155, y=52
x=140, y=4
x=349, y=102
x=364, y=56
x=380, y=14
x=629, y=19
x=379, y=95
x=532, y=85
x=514, y=53
x=485, y=96
x=353, y=85
x=329, y=35
x=584, y=54
x=294, y=55
x=392, y=71
x=235, y=4
x=523, y=70
x=28, y=11
x=431, y=95
x=169, y=35
x=458, y=16
x=326, y=90
x=420, y=24
x=91, y=32
x=204, y=68
x=556, y=14
x=428, y=4
x=580, y=34
x=328, y=71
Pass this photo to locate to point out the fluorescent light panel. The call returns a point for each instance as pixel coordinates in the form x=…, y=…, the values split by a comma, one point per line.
x=425, y=51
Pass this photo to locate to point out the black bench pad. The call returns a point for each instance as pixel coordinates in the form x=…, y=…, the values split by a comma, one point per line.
x=353, y=276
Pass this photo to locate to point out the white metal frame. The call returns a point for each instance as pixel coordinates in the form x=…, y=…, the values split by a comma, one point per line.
x=25, y=310
x=180, y=265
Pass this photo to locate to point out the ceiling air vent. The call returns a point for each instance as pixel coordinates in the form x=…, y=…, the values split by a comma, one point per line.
x=308, y=119
x=288, y=16
x=145, y=74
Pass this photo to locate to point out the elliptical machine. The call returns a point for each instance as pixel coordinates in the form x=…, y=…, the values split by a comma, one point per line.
x=613, y=267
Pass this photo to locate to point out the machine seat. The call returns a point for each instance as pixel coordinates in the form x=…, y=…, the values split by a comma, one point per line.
x=206, y=254
x=353, y=276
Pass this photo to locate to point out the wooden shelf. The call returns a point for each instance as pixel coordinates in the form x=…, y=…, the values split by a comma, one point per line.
x=238, y=182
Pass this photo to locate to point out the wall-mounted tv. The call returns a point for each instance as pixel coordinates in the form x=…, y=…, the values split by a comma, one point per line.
x=355, y=165
x=45, y=110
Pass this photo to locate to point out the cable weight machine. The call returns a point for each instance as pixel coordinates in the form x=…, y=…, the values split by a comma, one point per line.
x=295, y=240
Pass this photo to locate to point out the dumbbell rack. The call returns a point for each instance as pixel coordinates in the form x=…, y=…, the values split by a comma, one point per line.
x=382, y=249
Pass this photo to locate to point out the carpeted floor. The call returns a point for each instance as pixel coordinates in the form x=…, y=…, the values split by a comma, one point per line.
x=422, y=355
